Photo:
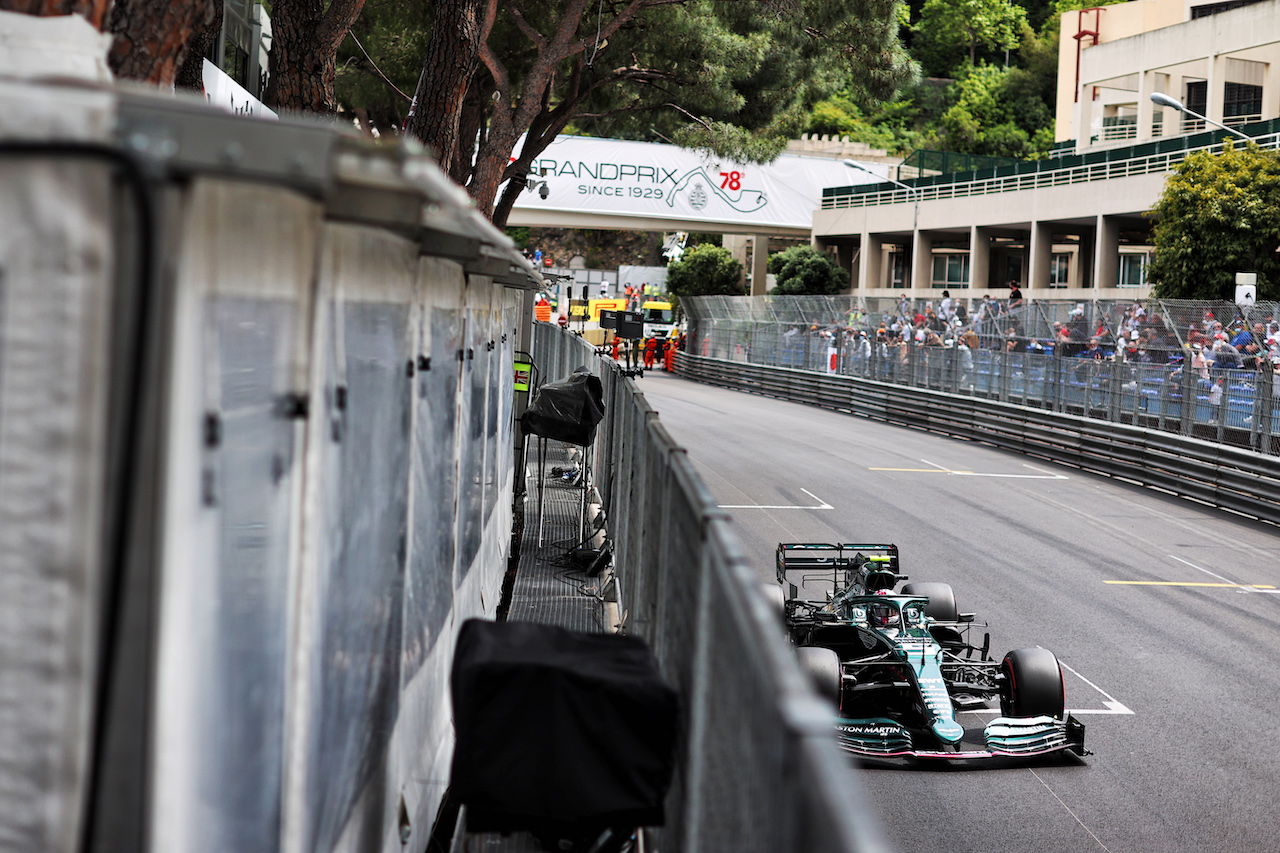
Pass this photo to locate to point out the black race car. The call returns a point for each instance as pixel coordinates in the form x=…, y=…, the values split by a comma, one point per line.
x=900, y=666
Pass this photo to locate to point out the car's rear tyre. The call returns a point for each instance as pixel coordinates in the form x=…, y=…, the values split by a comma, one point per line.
x=1032, y=684
x=822, y=668
x=942, y=600
x=777, y=601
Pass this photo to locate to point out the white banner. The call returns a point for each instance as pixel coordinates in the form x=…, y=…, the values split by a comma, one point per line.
x=611, y=176
x=223, y=91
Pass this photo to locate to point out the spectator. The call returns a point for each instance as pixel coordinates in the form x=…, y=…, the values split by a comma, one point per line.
x=1249, y=344
x=1015, y=294
x=1200, y=364
x=1092, y=350
x=944, y=307
x=1225, y=356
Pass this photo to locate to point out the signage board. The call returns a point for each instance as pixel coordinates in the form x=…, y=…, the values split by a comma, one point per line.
x=620, y=177
x=524, y=375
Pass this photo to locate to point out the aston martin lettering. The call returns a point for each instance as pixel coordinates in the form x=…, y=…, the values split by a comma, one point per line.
x=870, y=730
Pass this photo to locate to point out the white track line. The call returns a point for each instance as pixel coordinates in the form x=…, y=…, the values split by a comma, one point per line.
x=1243, y=587
x=821, y=504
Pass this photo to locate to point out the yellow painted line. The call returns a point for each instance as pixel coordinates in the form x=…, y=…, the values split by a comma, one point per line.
x=1189, y=583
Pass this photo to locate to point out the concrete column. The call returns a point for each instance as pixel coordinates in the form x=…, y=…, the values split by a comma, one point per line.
x=979, y=257
x=1217, y=82
x=1106, y=258
x=922, y=261
x=1084, y=266
x=1271, y=90
x=870, y=270
x=1041, y=252
x=759, y=264
x=1146, y=85
x=1084, y=115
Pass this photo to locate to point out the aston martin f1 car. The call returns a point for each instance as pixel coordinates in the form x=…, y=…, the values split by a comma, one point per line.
x=900, y=666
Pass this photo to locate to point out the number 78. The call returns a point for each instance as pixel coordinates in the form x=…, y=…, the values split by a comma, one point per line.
x=731, y=179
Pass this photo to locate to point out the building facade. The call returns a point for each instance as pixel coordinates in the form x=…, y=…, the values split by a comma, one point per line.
x=1075, y=226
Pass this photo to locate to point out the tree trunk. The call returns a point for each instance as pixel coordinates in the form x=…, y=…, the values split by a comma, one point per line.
x=470, y=128
x=452, y=57
x=152, y=36
x=304, y=48
x=191, y=74
x=94, y=11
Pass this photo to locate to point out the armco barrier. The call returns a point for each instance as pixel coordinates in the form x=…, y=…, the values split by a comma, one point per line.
x=1236, y=479
x=255, y=469
x=759, y=768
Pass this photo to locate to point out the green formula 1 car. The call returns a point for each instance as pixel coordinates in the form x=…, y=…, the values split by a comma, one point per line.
x=899, y=665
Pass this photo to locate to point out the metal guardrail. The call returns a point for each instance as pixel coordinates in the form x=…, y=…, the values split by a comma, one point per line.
x=1048, y=173
x=1239, y=480
x=759, y=768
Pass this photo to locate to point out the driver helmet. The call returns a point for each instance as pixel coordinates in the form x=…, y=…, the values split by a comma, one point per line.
x=882, y=615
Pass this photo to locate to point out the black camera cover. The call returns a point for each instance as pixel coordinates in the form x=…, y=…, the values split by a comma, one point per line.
x=567, y=411
x=559, y=728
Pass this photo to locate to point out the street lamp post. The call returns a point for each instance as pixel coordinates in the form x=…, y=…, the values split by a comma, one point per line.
x=913, y=194
x=1163, y=100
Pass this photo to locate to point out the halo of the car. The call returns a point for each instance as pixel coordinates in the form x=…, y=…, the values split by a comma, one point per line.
x=1032, y=684
x=942, y=600
x=822, y=667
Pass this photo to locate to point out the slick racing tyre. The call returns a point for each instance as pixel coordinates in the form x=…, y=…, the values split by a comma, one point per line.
x=777, y=601
x=942, y=600
x=822, y=668
x=1032, y=685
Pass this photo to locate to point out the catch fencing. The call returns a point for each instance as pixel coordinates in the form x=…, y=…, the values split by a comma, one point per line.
x=255, y=468
x=1021, y=356
x=759, y=768
x=1243, y=481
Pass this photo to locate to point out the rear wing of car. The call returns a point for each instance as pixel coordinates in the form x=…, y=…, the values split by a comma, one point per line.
x=817, y=570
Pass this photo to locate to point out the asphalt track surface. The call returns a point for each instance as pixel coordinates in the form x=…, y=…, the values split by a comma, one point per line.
x=1164, y=611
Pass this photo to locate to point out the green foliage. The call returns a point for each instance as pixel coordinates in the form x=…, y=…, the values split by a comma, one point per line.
x=395, y=34
x=738, y=79
x=1219, y=214
x=519, y=236
x=705, y=270
x=950, y=30
x=839, y=116
x=997, y=112
x=803, y=270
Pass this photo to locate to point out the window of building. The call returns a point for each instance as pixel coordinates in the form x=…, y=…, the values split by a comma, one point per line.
x=1207, y=9
x=1060, y=269
x=1197, y=101
x=1012, y=269
x=1133, y=269
x=898, y=269
x=950, y=270
x=1241, y=102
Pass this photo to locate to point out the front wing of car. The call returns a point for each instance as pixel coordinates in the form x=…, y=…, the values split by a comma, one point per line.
x=882, y=737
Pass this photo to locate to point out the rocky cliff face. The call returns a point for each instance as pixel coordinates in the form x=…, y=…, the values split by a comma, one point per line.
x=597, y=249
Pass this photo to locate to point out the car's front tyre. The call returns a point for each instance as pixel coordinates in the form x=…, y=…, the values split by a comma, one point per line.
x=1033, y=685
x=822, y=667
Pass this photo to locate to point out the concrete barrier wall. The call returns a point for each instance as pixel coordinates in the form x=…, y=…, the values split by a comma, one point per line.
x=255, y=469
